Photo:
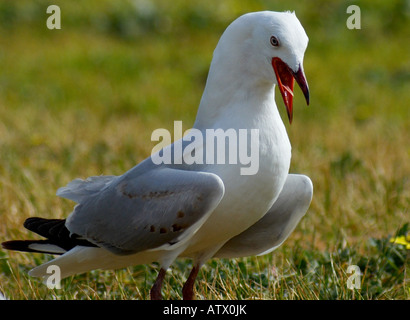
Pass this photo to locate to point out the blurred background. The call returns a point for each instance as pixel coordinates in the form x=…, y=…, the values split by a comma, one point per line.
x=84, y=100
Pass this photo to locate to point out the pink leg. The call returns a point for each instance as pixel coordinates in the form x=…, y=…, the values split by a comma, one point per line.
x=155, y=293
x=188, y=289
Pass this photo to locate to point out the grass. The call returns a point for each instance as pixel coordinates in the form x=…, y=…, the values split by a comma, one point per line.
x=83, y=101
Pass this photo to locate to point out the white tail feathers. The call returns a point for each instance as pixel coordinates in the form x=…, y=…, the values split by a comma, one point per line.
x=76, y=261
x=82, y=259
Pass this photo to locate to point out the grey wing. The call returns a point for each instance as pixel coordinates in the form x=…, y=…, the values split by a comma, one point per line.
x=157, y=208
x=276, y=225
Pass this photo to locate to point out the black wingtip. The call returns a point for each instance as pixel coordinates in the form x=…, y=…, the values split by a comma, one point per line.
x=56, y=234
x=40, y=246
x=7, y=245
x=17, y=245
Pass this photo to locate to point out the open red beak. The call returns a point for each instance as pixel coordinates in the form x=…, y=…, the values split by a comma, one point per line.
x=286, y=79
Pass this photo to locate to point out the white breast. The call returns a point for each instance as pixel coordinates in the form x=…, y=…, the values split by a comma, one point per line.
x=248, y=197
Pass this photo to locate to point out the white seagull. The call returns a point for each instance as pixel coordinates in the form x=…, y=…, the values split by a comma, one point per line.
x=157, y=213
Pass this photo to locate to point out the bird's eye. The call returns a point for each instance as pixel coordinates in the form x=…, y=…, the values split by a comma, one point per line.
x=274, y=41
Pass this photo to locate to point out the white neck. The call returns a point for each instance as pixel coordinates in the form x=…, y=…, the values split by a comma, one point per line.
x=234, y=99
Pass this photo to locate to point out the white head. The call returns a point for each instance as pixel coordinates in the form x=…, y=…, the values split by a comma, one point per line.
x=267, y=47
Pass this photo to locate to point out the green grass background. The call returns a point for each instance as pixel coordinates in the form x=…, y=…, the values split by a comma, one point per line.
x=84, y=100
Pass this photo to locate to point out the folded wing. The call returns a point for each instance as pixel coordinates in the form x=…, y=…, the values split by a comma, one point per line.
x=159, y=208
